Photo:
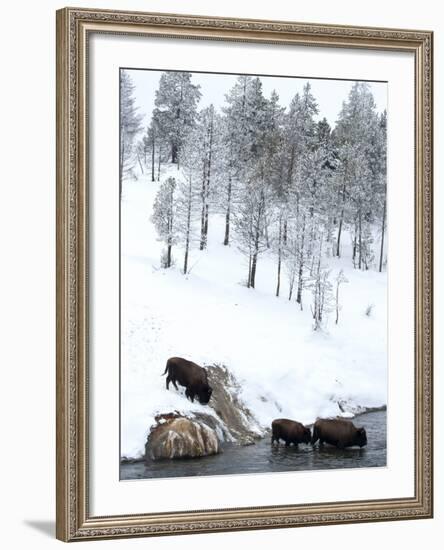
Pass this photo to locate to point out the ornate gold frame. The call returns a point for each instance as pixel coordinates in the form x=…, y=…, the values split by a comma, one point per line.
x=73, y=519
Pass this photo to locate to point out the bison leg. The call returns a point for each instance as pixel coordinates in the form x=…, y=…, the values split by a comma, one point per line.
x=315, y=436
x=287, y=443
x=189, y=394
x=274, y=438
x=171, y=379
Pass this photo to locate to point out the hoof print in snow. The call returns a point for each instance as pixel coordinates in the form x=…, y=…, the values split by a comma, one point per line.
x=181, y=437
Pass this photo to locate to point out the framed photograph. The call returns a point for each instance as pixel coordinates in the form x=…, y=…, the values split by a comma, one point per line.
x=244, y=274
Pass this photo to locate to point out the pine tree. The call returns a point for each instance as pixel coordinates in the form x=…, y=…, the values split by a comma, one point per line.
x=295, y=254
x=250, y=221
x=380, y=163
x=258, y=147
x=164, y=218
x=176, y=108
x=152, y=146
x=299, y=139
x=206, y=135
x=130, y=126
x=321, y=287
x=355, y=135
x=273, y=169
x=235, y=130
x=340, y=279
x=189, y=195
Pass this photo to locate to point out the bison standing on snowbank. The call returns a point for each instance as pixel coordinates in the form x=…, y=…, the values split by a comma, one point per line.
x=289, y=431
x=189, y=375
x=338, y=432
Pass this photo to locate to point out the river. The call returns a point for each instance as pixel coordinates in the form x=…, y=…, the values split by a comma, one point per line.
x=263, y=458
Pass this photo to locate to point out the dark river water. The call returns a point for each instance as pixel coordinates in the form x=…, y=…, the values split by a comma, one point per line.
x=262, y=457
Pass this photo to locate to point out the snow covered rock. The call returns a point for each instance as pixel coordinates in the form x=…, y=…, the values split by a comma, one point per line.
x=181, y=437
x=199, y=433
x=348, y=408
x=229, y=407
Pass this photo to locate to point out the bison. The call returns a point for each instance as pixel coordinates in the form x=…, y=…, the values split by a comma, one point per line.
x=289, y=431
x=189, y=375
x=338, y=432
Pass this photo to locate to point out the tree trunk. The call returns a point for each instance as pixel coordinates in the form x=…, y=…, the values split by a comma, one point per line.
x=202, y=213
x=338, y=243
x=170, y=227
x=158, y=164
x=267, y=238
x=338, y=246
x=153, y=148
x=329, y=223
x=285, y=233
x=208, y=181
x=202, y=230
x=290, y=293
x=185, y=260
x=299, y=293
x=301, y=267
x=174, y=153
x=355, y=244
x=169, y=240
x=228, y=214
x=254, y=261
x=249, y=271
x=312, y=264
x=253, y=270
x=360, y=240
x=187, y=233
x=278, y=286
x=140, y=163
x=207, y=213
x=169, y=254
x=381, y=255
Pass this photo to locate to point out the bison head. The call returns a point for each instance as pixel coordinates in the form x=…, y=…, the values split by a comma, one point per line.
x=361, y=437
x=205, y=394
x=306, y=438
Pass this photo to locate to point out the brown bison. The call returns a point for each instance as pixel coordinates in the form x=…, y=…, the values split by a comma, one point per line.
x=189, y=375
x=289, y=431
x=338, y=432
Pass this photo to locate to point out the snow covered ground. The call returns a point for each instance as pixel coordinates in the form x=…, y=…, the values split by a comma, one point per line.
x=208, y=316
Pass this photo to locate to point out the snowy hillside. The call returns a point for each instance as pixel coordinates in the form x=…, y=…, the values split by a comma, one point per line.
x=208, y=316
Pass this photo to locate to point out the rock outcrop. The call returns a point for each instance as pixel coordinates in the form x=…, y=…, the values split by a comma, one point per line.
x=181, y=437
x=229, y=407
x=197, y=433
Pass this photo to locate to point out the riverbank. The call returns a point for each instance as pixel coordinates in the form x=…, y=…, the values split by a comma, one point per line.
x=264, y=458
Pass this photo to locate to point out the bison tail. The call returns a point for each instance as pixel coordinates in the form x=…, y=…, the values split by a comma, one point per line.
x=166, y=368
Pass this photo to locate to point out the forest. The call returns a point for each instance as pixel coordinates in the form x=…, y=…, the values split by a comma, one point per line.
x=285, y=182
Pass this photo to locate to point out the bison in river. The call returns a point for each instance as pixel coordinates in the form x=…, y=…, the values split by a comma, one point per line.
x=289, y=431
x=189, y=375
x=338, y=432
